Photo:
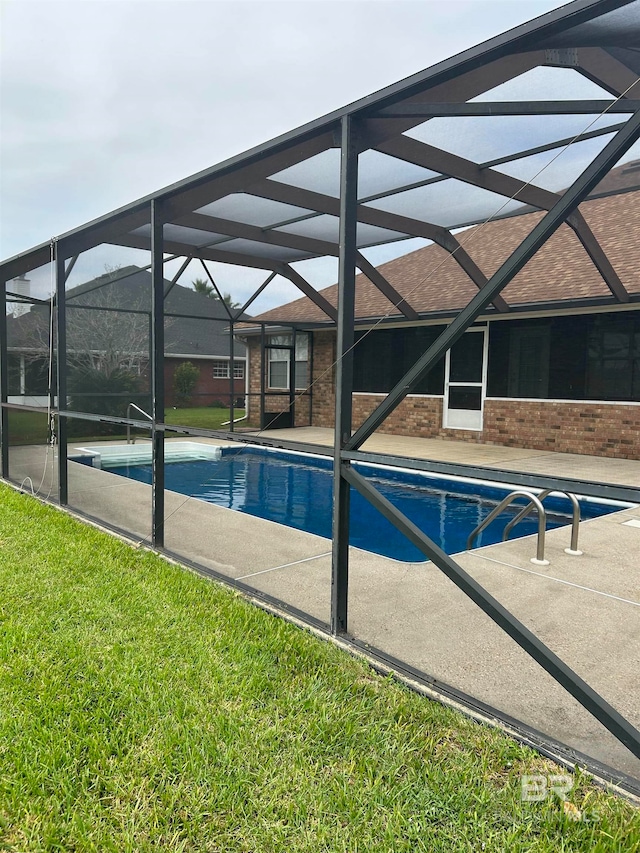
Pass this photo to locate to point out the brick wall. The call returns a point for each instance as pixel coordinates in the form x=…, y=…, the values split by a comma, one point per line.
x=207, y=390
x=596, y=429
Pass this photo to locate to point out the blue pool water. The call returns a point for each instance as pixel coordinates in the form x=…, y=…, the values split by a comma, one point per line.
x=296, y=490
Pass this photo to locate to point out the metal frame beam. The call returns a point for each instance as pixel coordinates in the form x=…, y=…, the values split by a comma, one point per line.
x=310, y=245
x=61, y=364
x=344, y=375
x=157, y=373
x=217, y=290
x=538, y=236
x=606, y=71
x=4, y=382
x=255, y=295
x=508, y=108
x=378, y=280
x=302, y=284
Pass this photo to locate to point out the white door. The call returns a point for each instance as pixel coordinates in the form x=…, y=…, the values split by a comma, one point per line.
x=465, y=381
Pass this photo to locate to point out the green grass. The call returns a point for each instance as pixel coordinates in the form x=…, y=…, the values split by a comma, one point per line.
x=143, y=708
x=203, y=417
x=31, y=427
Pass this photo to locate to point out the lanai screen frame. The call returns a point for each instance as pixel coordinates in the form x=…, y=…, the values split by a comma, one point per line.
x=571, y=37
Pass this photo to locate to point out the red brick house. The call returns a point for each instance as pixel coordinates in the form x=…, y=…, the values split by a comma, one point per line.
x=559, y=370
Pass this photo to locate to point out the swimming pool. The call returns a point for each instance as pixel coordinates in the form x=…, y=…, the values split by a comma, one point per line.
x=295, y=489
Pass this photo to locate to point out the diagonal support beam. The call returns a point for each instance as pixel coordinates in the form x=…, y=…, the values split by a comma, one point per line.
x=538, y=236
x=428, y=156
x=609, y=73
x=474, y=272
x=598, y=256
x=379, y=281
x=255, y=295
x=302, y=284
x=526, y=639
x=217, y=290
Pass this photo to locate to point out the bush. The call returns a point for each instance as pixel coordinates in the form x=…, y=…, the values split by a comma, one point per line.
x=184, y=381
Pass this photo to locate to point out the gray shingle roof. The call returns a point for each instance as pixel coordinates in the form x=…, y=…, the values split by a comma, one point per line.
x=196, y=334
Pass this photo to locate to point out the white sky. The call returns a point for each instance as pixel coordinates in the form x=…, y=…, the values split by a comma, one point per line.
x=103, y=101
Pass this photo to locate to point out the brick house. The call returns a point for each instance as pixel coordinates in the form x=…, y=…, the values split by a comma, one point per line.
x=109, y=318
x=559, y=370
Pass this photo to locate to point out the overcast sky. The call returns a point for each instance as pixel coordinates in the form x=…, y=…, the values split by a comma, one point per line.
x=103, y=101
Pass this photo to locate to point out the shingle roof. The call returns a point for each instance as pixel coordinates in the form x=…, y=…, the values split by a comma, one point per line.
x=431, y=281
x=187, y=335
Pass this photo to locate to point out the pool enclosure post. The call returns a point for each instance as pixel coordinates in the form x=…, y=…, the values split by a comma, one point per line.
x=60, y=327
x=157, y=374
x=344, y=374
x=4, y=381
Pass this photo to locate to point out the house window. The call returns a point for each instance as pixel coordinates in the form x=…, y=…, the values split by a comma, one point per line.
x=279, y=351
x=221, y=369
x=382, y=357
x=613, y=358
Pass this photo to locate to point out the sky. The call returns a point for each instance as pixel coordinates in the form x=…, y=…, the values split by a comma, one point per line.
x=104, y=101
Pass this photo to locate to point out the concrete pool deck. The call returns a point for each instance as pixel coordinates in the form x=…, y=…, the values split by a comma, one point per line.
x=586, y=609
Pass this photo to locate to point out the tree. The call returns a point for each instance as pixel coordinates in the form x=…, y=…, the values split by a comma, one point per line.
x=200, y=285
x=184, y=381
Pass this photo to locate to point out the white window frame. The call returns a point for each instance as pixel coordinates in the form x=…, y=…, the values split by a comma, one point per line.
x=222, y=367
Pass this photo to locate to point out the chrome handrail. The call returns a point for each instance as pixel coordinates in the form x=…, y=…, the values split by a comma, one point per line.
x=575, y=522
x=504, y=503
x=142, y=412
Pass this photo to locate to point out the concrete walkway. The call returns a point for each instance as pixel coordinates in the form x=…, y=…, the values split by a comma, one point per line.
x=597, y=469
x=586, y=608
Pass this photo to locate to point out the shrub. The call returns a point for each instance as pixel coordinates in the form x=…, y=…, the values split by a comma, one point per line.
x=184, y=381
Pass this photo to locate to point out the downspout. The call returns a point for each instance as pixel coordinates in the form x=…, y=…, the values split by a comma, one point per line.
x=246, y=385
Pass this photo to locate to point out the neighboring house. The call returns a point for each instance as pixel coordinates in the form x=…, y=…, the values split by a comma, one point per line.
x=559, y=370
x=108, y=328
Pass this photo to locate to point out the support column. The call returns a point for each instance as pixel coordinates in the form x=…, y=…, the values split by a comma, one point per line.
x=61, y=361
x=263, y=368
x=344, y=376
x=232, y=378
x=157, y=374
x=4, y=382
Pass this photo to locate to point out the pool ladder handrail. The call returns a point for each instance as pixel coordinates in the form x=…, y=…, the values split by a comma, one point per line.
x=534, y=501
x=131, y=440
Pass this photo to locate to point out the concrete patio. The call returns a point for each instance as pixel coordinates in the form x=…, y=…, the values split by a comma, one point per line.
x=586, y=608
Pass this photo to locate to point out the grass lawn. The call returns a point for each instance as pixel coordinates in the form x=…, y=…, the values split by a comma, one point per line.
x=202, y=417
x=31, y=427
x=143, y=708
